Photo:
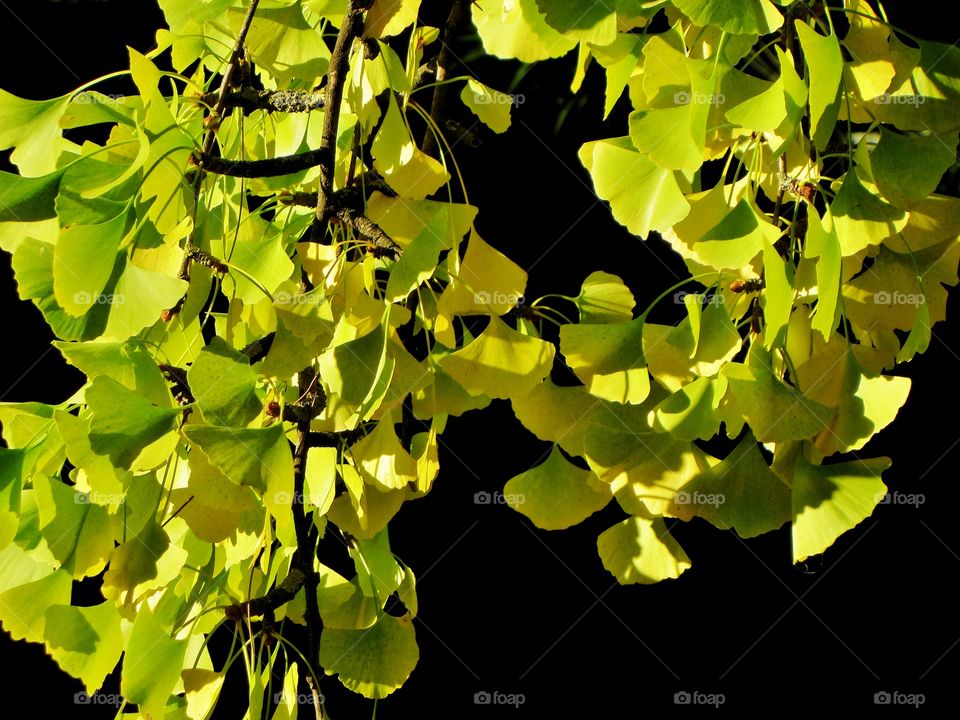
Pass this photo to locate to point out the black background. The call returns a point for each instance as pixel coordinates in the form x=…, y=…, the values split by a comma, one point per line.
x=507, y=608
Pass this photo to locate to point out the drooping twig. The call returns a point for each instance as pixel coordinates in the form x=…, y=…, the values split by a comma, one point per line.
x=192, y=252
x=456, y=21
x=280, y=595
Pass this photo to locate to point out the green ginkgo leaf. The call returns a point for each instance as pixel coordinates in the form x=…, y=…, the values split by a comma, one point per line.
x=691, y=412
x=604, y=298
x=85, y=641
x=79, y=533
x=908, y=168
x=608, y=358
x=152, y=664
x=829, y=500
x=282, y=42
x=823, y=243
x=556, y=494
x=741, y=492
x=253, y=457
x=83, y=261
x=737, y=239
x=490, y=106
x=517, y=29
x=775, y=411
x=224, y=385
x=583, y=20
x=32, y=127
x=501, y=362
x=861, y=217
x=23, y=607
x=28, y=199
x=124, y=423
x=642, y=196
x=642, y=550
x=373, y=662
x=738, y=17
x=825, y=63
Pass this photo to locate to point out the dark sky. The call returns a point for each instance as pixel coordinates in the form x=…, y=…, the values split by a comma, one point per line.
x=507, y=608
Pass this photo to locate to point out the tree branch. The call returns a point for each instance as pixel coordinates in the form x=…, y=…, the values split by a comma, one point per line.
x=271, y=167
x=456, y=21
x=250, y=99
x=381, y=243
x=351, y=29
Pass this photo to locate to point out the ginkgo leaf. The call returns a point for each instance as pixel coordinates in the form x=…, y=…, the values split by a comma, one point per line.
x=23, y=607
x=124, y=423
x=32, y=127
x=738, y=17
x=33, y=265
x=390, y=17
x=445, y=396
x=518, y=29
x=372, y=662
x=282, y=42
x=556, y=414
x=583, y=20
x=741, y=492
x=488, y=281
x=823, y=243
x=79, y=533
x=691, y=412
x=608, y=358
x=152, y=664
x=144, y=562
x=777, y=295
x=862, y=218
x=359, y=372
x=83, y=261
x=28, y=199
x=604, y=298
x=253, y=457
x=84, y=641
x=224, y=385
x=500, y=363
x=556, y=494
x=864, y=405
x=825, y=62
x=382, y=460
x=908, y=169
x=641, y=550
x=490, y=106
x=201, y=689
x=829, y=500
x=737, y=239
x=642, y=196
x=775, y=411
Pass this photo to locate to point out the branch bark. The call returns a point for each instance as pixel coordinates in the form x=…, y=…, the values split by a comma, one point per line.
x=250, y=99
x=271, y=167
x=442, y=94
